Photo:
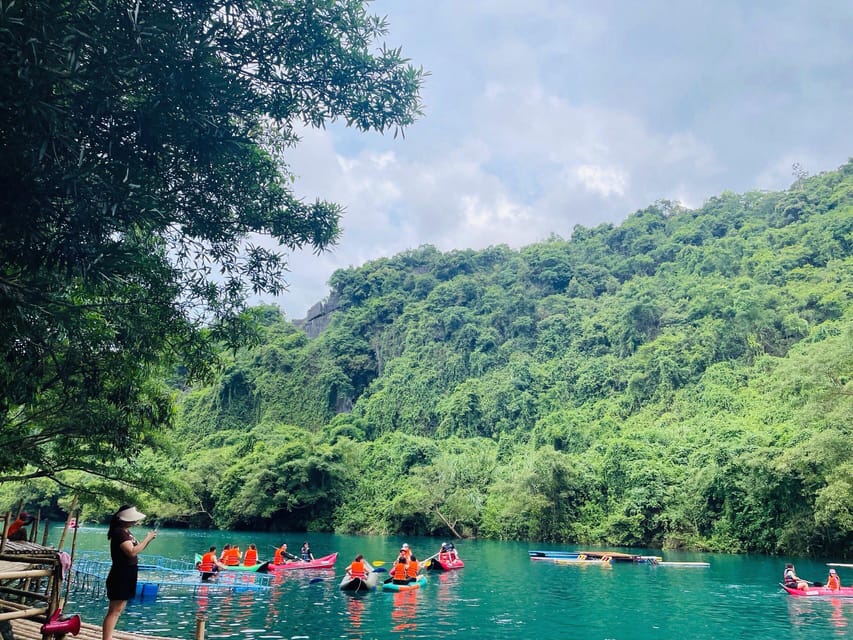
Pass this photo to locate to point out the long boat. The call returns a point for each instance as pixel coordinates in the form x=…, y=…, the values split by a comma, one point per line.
x=417, y=584
x=819, y=592
x=258, y=567
x=324, y=562
x=581, y=561
x=695, y=565
x=614, y=556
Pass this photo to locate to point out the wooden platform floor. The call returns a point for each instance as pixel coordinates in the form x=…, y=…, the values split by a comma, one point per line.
x=30, y=630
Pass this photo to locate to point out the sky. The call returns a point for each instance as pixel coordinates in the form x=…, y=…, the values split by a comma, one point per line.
x=545, y=114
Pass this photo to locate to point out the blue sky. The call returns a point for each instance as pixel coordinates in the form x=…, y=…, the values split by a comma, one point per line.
x=545, y=114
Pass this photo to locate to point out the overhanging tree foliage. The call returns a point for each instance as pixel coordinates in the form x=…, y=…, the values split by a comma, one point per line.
x=141, y=150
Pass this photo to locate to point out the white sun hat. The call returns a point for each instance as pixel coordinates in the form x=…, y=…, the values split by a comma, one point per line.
x=130, y=515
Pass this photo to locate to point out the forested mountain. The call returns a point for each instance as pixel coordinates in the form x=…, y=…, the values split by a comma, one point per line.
x=679, y=380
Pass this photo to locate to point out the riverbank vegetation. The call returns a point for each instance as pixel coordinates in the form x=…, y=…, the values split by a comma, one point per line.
x=681, y=380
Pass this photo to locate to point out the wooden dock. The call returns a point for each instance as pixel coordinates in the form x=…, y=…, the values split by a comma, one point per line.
x=25, y=629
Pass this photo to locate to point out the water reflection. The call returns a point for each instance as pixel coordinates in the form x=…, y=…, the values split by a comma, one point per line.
x=807, y=614
x=405, y=610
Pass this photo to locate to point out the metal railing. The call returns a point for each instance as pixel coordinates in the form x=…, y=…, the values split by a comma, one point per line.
x=156, y=573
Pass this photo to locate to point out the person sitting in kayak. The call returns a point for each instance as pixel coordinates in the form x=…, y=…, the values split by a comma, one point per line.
x=306, y=554
x=833, y=581
x=251, y=557
x=232, y=556
x=405, y=551
x=358, y=568
x=209, y=565
x=281, y=555
x=412, y=569
x=791, y=580
x=451, y=552
x=399, y=572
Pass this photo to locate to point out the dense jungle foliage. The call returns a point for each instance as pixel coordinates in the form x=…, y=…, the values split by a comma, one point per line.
x=143, y=147
x=681, y=380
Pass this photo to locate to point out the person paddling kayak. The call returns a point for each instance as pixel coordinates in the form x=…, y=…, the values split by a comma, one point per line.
x=792, y=580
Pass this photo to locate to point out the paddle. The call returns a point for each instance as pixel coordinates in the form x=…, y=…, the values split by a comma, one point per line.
x=425, y=563
x=287, y=555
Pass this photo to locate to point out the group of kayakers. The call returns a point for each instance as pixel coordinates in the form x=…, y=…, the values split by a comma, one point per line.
x=405, y=568
x=231, y=556
x=283, y=556
x=791, y=580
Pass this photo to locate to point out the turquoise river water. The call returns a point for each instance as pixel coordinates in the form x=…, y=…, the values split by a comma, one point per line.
x=500, y=594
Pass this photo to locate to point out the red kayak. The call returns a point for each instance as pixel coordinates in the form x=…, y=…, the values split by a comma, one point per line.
x=812, y=592
x=444, y=562
x=326, y=562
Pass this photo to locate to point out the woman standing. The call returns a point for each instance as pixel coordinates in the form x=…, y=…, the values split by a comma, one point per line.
x=124, y=549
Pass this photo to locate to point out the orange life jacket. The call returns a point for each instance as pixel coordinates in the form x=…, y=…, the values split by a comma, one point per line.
x=208, y=562
x=833, y=582
x=278, y=557
x=15, y=526
x=398, y=572
x=357, y=569
x=412, y=570
x=232, y=559
x=251, y=558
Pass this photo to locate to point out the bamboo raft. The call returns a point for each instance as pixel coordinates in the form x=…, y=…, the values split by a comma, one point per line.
x=31, y=630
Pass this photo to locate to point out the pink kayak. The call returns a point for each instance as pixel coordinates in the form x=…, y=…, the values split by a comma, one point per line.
x=326, y=562
x=843, y=592
x=443, y=562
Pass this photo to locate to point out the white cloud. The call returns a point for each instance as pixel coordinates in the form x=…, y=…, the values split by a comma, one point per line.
x=548, y=114
x=605, y=181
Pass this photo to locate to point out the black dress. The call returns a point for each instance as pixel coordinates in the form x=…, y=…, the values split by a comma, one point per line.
x=121, y=581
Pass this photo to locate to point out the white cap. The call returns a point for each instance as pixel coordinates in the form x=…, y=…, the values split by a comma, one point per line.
x=405, y=546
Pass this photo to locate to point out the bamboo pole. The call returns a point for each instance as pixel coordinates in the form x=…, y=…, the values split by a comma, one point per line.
x=27, y=573
x=73, y=546
x=200, y=619
x=23, y=594
x=67, y=522
x=35, y=528
x=22, y=613
x=6, y=521
x=46, y=531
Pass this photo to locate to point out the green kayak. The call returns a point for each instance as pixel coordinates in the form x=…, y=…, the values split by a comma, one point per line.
x=260, y=567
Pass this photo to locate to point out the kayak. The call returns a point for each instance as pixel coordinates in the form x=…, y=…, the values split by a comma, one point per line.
x=843, y=592
x=326, y=562
x=368, y=583
x=444, y=564
x=683, y=564
x=579, y=560
x=615, y=556
x=260, y=567
x=417, y=584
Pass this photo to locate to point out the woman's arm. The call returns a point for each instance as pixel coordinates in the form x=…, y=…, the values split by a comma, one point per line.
x=133, y=550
